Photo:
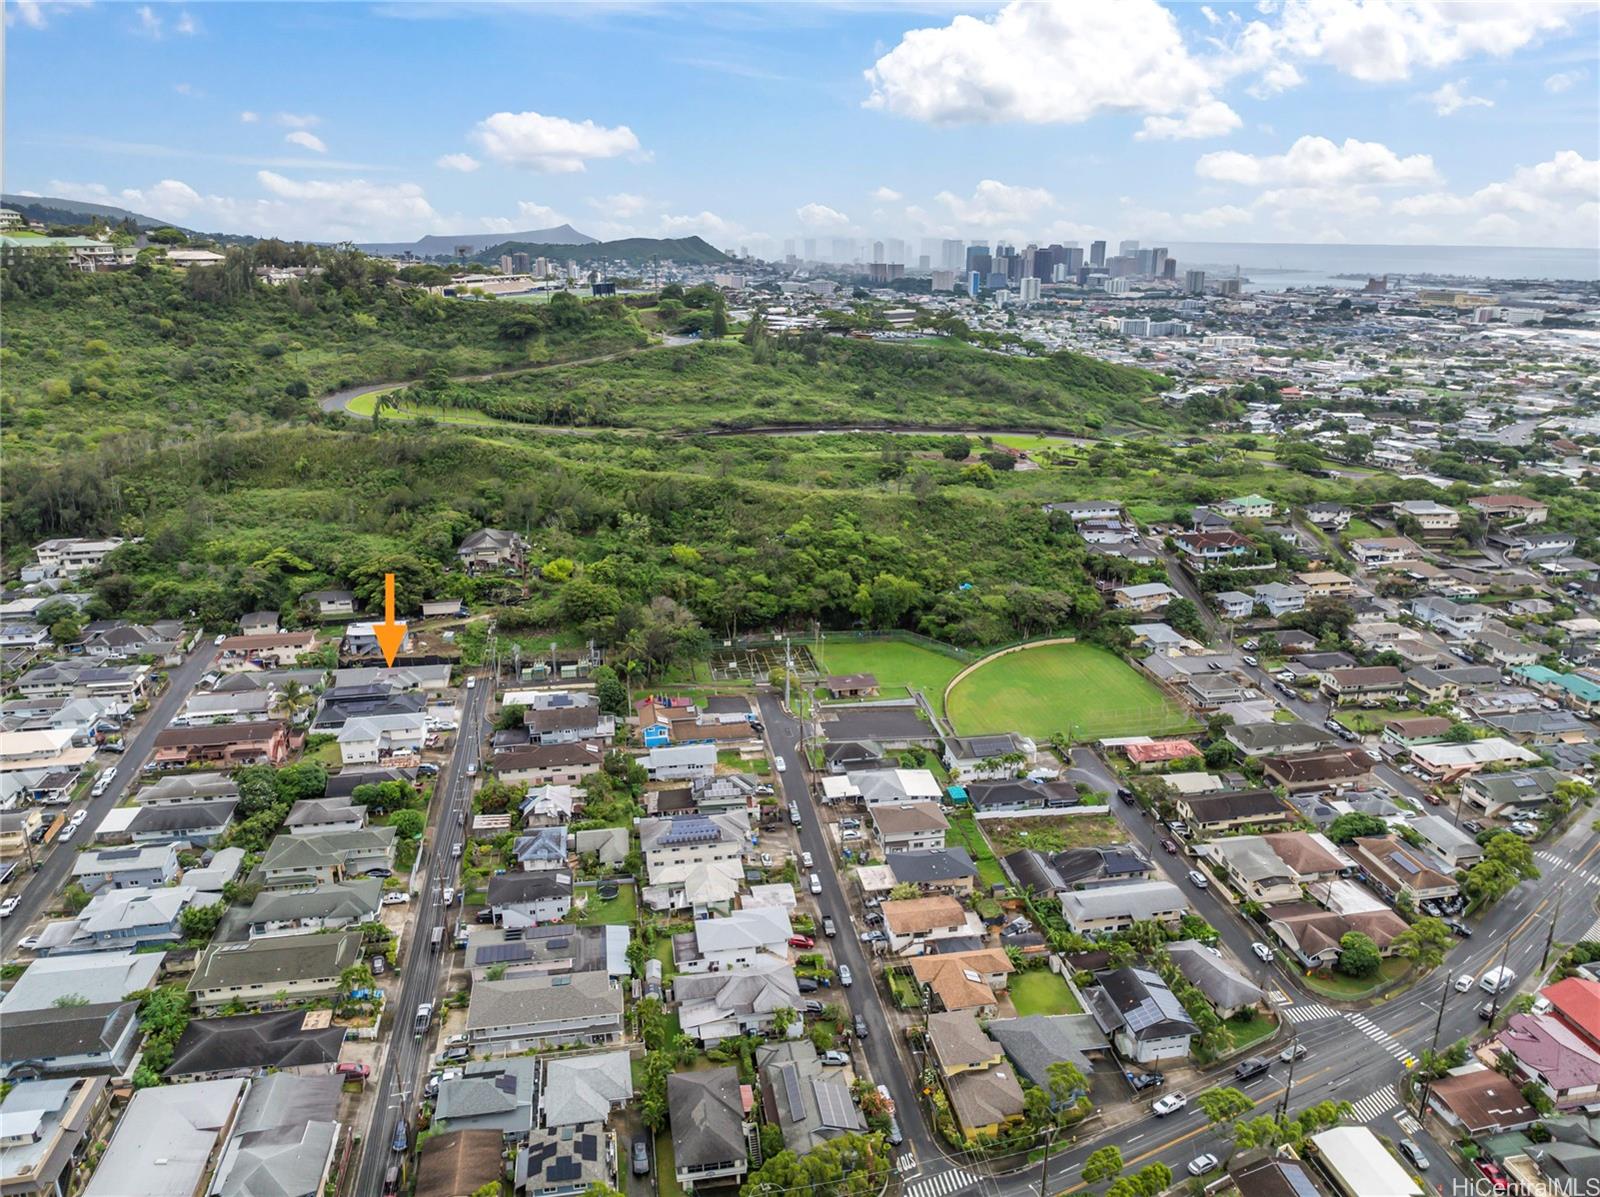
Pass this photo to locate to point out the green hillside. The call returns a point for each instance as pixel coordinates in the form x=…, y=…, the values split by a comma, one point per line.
x=692, y=251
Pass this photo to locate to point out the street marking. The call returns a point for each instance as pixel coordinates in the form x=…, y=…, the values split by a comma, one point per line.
x=1310, y=1012
x=1376, y=1105
x=907, y=1162
x=942, y=1184
x=1280, y=998
x=1382, y=1038
x=1407, y=1123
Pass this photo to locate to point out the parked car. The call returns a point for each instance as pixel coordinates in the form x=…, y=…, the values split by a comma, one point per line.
x=815, y=884
x=28, y=943
x=1201, y=1164
x=1251, y=661
x=1169, y=847
x=402, y=1138
x=894, y=1136
x=835, y=1059
x=455, y=1055
x=78, y=816
x=1198, y=879
x=766, y=860
x=861, y=1027
x=1263, y=951
x=1253, y=1066
x=1472, y=827
x=782, y=765
x=873, y=937
x=802, y=941
x=805, y=860
x=379, y=966
x=354, y=1069
x=1170, y=1104
x=828, y=927
x=1140, y=1081
x=103, y=782
x=1413, y=1153
x=641, y=1156
x=805, y=985
x=1494, y=1174
x=1460, y=928
x=845, y=978
x=812, y=1007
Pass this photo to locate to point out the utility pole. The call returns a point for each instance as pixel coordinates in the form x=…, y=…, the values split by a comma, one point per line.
x=1494, y=1008
x=1044, y=1164
x=1550, y=936
x=1438, y=1024
x=1288, y=1088
x=788, y=670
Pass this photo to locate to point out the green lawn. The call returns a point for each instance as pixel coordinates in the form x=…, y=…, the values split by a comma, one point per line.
x=1079, y=690
x=1360, y=529
x=1056, y=833
x=896, y=664
x=666, y=1166
x=965, y=833
x=1040, y=991
x=1257, y=1028
x=1337, y=985
x=1364, y=722
x=620, y=909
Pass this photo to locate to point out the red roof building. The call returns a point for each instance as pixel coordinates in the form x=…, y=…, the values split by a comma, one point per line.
x=1159, y=752
x=1576, y=1002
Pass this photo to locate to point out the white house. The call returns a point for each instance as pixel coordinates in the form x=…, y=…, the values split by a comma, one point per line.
x=740, y=939
x=382, y=739
x=680, y=761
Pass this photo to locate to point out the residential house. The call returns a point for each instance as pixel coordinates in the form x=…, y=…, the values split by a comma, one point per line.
x=713, y=1006
x=1448, y=842
x=1234, y=604
x=985, y=1095
x=284, y=1140
x=1393, y=867
x=497, y=1095
x=1145, y=596
x=289, y=968
x=121, y=919
x=259, y=623
x=1330, y=516
x=126, y=868
x=458, y=1162
x=1312, y=934
x=1377, y=552
x=909, y=826
x=1150, y=754
x=44, y=751
x=1272, y=868
x=1325, y=584
x=528, y=899
x=278, y=650
x=739, y=940
x=569, y=724
x=518, y=1013
x=1362, y=681
x=1576, y=1002
x=384, y=740
x=986, y=758
x=1203, y=551
x=708, y=1133
x=810, y=1104
x=1409, y=731
x=1251, y=507
x=49, y=1128
x=1143, y=1017
x=1228, y=990
x=1458, y=621
x=588, y=1088
x=541, y=849
x=344, y=784
x=106, y=977
x=1077, y=868
x=315, y=816
x=558, y=764
x=167, y=1140
x=1506, y=651
x=1437, y=521
x=492, y=549
x=1452, y=762
x=912, y=924
x=197, y=823
x=1021, y=794
x=1343, y=769
x=308, y=860
x=69, y=1041
x=1550, y=1053
x=968, y=981
x=1035, y=1042
x=1216, y=814
x=549, y=805
x=566, y=1161
x=338, y=705
x=693, y=860
x=680, y=761
x=934, y=870
x=851, y=685
x=330, y=604
x=229, y=706
x=1516, y=794
x=1281, y=739
x=296, y=1042
x=323, y=908
x=229, y=745
x=74, y=555
x=1475, y=1101
x=1280, y=598
x=873, y=787
x=1117, y=907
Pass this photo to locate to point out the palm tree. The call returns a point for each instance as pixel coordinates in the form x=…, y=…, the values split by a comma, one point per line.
x=292, y=699
x=382, y=401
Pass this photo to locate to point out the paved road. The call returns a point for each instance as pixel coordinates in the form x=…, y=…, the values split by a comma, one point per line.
x=394, y=1091
x=58, y=860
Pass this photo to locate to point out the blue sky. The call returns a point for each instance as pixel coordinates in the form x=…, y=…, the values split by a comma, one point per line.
x=1305, y=120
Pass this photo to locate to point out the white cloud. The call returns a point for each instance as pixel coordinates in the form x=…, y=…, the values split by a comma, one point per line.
x=1451, y=98
x=186, y=25
x=36, y=14
x=541, y=214
x=621, y=206
x=1221, y=217
x=1009, y=67
x=1211, y=119
x=149, y=22
x=249, y=117
x=465, y=163
x=709, y=225
x=821, y=217
x=996, y=203
x=1381, y=41
x=1550, y=203
x=187, y=89
x=309, y=140
x=1318, y=162
x=886, y=195
x=551, y=144
x=1563, y=81
x=298, y=120
x=349, y=207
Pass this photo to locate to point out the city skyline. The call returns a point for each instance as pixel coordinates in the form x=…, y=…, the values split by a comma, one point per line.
x=1321, y=121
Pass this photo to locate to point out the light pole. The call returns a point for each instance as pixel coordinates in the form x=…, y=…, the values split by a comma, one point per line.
x=1438, y=1023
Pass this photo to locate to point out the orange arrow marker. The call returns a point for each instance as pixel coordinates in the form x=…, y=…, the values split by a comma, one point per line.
x=389, y=633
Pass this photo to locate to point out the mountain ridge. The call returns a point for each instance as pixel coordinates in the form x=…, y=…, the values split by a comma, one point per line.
x=443, y=245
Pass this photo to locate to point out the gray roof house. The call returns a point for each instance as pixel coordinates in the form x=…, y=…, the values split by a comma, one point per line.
x=708, y=1141
x=126, y=868
x=1224, y=986
x=102, y=977
x=528, y=899
x=490, y=1095
x=518, y=1013
x=717, y=1006
x=69, y=1040
x=283, y=1139
x=579, y=1089
x=293, y=911
x=185, y=822
x=542, y=848
x=187, y=787
x=166, y=1140
x=295, y=967
x=56, y=1121
x=810, y=1104
x=1114, y=907
x=1037, y=1041
x=246, y=1045
x=1144, y=1018
x=934, y=868
x=311, y=816
x=301, y=860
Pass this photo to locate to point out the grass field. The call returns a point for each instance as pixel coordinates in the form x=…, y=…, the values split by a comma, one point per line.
x=1040, y=991
x=619, y=910
x=896, y=664
x=1076, y=689
x=965, y=833
x=1055, y=833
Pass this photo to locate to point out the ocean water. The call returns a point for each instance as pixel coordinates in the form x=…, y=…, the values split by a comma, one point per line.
x=1279, y=266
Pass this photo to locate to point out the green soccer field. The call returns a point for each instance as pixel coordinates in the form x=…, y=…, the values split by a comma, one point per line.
x=1080, y=690
x=895, y=663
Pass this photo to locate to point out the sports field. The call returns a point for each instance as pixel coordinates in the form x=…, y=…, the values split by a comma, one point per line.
x=895, y=663
x=1079, y=690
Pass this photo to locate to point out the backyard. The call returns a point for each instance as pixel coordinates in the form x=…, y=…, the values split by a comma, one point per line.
x=1076, y=690
x=897, y=664
x=1054, y=833
x=965, y=833
x=1337, y=985
x=1040, y=991
x=618, y=910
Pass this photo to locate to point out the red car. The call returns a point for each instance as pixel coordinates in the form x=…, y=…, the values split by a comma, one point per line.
x=1169, y=847
x=1494, y=1175
x=802, y=941
x=353, y=1069
x=1433, y=798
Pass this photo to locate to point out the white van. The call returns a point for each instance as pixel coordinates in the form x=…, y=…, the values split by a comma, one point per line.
x=1497, y=980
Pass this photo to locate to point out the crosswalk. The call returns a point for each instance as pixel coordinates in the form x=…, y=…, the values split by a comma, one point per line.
x=1561, y=862
x=1408, y=1124
x=1375, y=1105
x=1593, y=932
x=1382, y=1038
x=1308, y=1012
x=941, y=1185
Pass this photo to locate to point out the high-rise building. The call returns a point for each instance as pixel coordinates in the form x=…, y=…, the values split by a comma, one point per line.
x=943, y=280
x=1194, y=282
x=895, y=250
x=974, y=283
x=924, y=262
x=1116, y=286
x=1229, y=287
x=1170, y=270
x=844, y=250
x=1097, y=253
x=979, y=259
x=788, y=247
x=877, y=251
x=1074, y=259
x=520, y=263
x=952, y=255
x=505, y=263
x=809, y=249
x=1158, y=260
x=1030, y=289
x=998, y=280
x=1126, y=248
x=1144, y=261
x=1030, y=259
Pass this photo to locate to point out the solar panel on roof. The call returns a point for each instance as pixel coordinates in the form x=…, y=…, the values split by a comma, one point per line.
x=1404, y=863
x=833, y=1103
x=503, y=953
x=564, y=1168
x=1523, y=783
x=556, y=945
x=1145, y=1014
x=790, y=1076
